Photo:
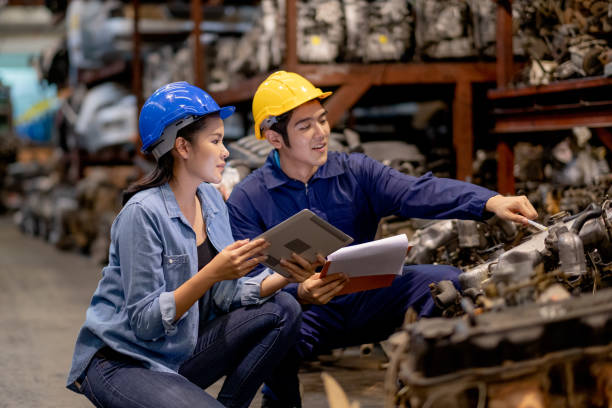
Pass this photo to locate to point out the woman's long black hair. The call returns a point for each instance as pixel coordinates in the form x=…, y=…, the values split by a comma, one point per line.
x=162, y=173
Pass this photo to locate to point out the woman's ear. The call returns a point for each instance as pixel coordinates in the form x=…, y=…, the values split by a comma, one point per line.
x=182, y=147
x=274, y=138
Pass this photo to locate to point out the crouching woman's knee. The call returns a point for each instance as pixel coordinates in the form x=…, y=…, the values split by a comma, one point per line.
x=290, y=311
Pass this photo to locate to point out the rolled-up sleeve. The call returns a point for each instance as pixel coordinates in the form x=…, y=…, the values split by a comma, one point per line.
x=250, y=289
x=150, y=309
x=167, y=307
x=232, y=294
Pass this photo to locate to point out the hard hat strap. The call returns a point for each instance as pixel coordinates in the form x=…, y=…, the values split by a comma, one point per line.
x=165, y=143
x=268, y=122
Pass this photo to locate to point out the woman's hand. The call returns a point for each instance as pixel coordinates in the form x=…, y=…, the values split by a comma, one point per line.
x=299, y=268
x=237, y=259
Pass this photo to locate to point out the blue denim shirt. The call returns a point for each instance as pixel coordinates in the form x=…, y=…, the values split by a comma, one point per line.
x=152, y=252
x=352, y=192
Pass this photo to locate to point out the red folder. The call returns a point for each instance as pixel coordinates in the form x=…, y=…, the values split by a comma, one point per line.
x=360, y=283
x=370, y=265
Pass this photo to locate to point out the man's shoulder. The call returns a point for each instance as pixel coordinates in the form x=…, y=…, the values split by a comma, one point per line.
x=252, y=182
x=345, y=159
x=249, y=189
x=336, y=156
x=348, y=162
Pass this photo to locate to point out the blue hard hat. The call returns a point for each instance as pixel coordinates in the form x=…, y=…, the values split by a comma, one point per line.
x=167, y=106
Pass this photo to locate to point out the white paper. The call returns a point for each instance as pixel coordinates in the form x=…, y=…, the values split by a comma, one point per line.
x=383, y=257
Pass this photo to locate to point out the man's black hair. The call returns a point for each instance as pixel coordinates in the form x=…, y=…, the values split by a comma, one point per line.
x=282, y=121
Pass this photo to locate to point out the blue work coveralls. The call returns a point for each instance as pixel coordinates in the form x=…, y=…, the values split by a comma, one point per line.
x=352, y=192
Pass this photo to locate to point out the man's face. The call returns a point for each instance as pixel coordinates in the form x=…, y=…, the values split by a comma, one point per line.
x=308, y=132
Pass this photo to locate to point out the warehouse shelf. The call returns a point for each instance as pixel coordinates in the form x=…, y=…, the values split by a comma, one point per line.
x=555, y=106
x=333, y=75
x=561, y=105
x=6, y=112
x=553, y=87
x=110, y=70
x=79, y=159
x=354, y=80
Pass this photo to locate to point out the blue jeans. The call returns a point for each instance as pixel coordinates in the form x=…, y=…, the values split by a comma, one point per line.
x=358, y=318
x=245, y=345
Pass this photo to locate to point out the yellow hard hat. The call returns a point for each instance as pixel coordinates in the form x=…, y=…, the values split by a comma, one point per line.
x=281, y=92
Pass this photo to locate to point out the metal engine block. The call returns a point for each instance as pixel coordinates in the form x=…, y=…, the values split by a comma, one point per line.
x=531, y=325
x=551, y=354
x=460, y=242
x=575, y=251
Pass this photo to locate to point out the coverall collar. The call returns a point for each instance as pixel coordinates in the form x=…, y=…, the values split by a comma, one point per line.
x=274, y=175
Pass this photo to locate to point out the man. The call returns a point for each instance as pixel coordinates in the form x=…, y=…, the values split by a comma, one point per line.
x=352, y=192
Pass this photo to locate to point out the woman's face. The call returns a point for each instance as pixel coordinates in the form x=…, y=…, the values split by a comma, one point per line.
x=206, y=159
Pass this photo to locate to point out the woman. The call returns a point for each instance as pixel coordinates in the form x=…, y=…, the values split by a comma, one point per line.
x=174, y=311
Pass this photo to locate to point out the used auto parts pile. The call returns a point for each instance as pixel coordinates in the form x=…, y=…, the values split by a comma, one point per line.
x=454, y=29
x=76, y=217
x=458, y=242
x=9, y=143
x=510, y=335
x=319, y=30
x=550, y=354
x=569, y=39
x=357, y=30
x=107, y=117
x=379, y=30
x=513, y=331
x=575, y=251
x=564, y=176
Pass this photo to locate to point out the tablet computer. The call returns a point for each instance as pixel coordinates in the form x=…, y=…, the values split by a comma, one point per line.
x=306, y=234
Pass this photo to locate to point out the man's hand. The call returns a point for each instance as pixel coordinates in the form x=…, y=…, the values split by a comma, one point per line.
x=299, y=268
x=319, y=291
x=514, y=208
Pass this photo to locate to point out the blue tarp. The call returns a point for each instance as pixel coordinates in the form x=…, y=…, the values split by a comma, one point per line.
x=33, y=104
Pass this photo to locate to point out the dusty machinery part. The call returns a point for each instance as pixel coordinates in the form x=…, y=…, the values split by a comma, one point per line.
x=465, y=358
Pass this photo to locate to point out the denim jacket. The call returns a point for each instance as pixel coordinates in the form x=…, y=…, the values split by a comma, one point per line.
x=152, y=252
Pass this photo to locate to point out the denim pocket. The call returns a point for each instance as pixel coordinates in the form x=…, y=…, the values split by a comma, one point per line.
x=176, y=270
x=175, y=260
x=107, y=368
x=87, y=391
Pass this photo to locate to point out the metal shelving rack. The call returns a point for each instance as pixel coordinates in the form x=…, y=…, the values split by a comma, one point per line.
x=531, y=109
x=354, y=80
x=6, y=112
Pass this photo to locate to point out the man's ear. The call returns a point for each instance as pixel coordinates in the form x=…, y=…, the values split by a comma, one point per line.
x=274, y=138
x=182, y=147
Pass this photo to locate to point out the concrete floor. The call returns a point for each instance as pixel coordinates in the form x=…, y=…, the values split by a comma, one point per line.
x=43, y=297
